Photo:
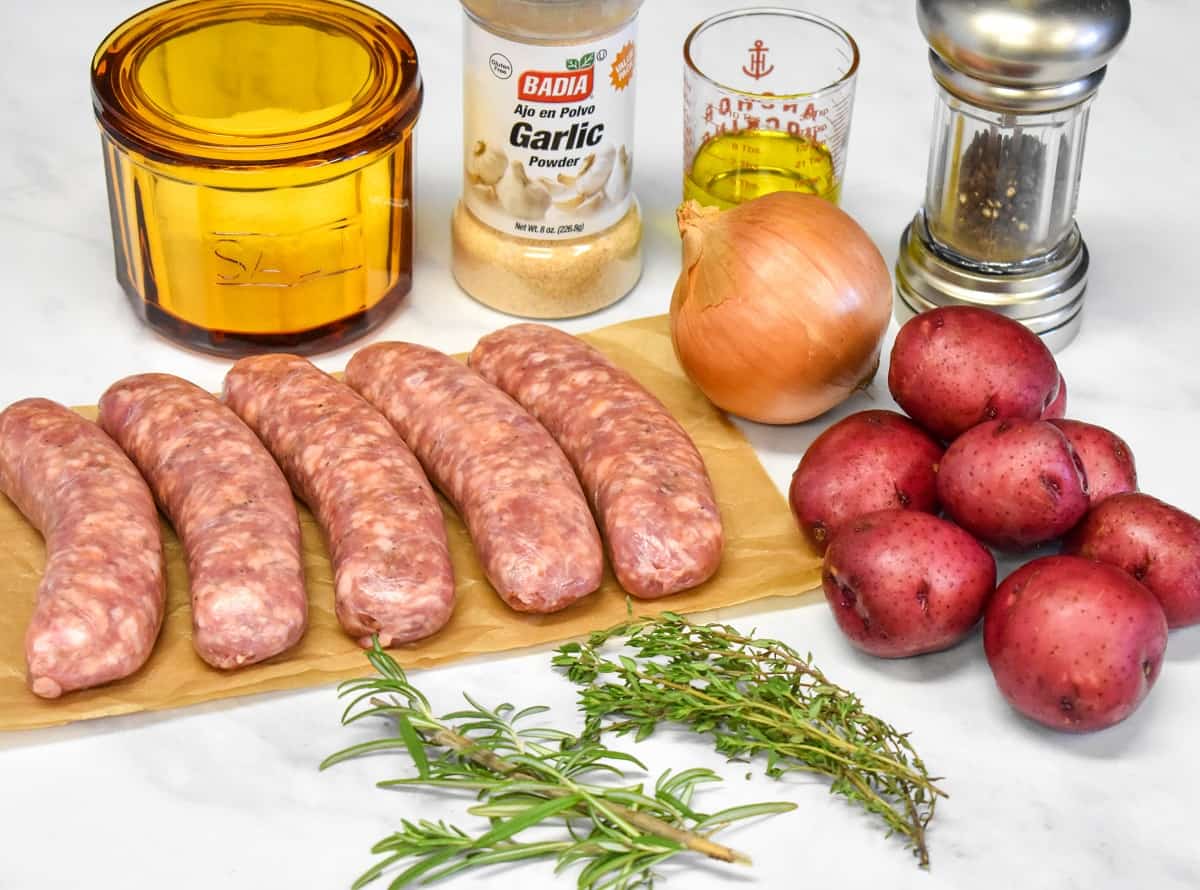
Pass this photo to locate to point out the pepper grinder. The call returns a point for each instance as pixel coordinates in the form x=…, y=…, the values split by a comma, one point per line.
x=1015, y=80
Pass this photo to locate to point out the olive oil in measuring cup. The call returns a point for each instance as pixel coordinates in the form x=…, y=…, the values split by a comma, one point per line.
x=738, y=167
x=768, y=95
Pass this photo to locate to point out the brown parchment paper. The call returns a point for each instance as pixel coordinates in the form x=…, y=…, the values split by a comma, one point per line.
x=765, y=556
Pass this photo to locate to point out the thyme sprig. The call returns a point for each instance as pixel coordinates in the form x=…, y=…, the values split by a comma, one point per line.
x=756, y=697
x=527, y=777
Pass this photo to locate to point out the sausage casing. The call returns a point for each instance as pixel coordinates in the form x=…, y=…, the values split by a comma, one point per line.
x=100, y=603
x=382, y=521
x=640, y=469
x=510, y=482
x=231, y=507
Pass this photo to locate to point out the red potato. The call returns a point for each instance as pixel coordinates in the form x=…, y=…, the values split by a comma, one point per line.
x=1107, y=459
x=1154, y=542
x=904, y=583
x=1057, y=409
x=1013, y=484
x=873, y=460
x=1074, y=644
x=958, y=366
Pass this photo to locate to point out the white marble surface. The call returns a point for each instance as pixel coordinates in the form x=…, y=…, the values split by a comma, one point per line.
x=228, y=795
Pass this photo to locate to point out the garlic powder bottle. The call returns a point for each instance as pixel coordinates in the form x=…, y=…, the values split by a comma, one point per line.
x=548, y=226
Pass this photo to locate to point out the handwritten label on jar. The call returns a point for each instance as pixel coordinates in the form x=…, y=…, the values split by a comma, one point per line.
x=283, y=260
x=549, y=133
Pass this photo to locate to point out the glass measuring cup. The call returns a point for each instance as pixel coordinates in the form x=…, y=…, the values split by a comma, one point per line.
x=768, y=94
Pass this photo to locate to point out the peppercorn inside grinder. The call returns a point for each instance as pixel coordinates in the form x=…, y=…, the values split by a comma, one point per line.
x=1015, y=81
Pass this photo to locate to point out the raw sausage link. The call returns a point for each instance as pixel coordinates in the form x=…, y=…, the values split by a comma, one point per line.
x=100, y=604
x=508, y=480
x=232, y=508
x=640, y=469
x=392, y=573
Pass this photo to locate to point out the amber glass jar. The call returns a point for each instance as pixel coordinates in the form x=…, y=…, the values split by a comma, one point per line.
x=259, y=163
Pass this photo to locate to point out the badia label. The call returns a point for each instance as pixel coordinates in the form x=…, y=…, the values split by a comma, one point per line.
x=548, y=147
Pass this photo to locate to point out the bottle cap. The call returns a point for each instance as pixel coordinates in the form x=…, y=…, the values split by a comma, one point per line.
x=1022, y=55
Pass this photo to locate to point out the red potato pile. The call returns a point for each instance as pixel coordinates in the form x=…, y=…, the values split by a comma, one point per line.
x=1074, y=642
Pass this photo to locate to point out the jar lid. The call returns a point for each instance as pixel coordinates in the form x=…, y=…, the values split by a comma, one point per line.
x=256, y=83
x=1044, y=52
x=551, y=21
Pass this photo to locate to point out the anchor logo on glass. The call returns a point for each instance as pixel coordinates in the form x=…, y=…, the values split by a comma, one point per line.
x=758, y=68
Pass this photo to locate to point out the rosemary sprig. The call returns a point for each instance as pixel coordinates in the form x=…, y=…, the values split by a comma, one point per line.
x=756, y=697
x=526, y=777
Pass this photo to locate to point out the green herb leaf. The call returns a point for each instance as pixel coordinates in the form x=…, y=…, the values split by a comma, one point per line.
x=737, y=814
x=520, y=778
x=757, y=698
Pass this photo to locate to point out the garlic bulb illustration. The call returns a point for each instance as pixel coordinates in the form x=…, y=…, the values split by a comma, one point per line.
x=596, y=171
x=583, y=205
x=521, y=197
x=607, y=173
x=558, y=190
x=486, y=165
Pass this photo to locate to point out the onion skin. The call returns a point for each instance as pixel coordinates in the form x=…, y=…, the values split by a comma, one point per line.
x=781, y=307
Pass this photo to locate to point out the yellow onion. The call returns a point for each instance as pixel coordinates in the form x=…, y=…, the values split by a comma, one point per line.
x=781, y=306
